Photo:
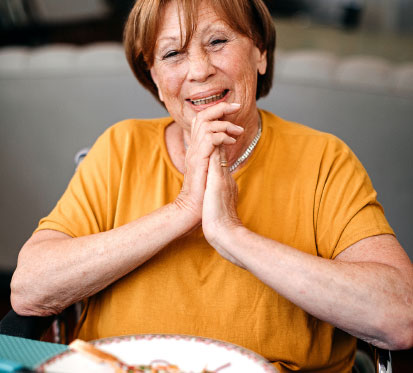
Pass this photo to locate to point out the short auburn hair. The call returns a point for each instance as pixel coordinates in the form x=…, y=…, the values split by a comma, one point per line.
x=248, y=17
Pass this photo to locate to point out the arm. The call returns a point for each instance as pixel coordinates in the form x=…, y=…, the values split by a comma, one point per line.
x=363, y=292
x=367, y=290
x=55, y=270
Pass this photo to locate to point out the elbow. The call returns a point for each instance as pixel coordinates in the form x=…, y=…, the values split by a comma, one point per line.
x=394, y=321
x=403, y=338
x=400, y=340
x=21, y=307
x=397, y=332
x=26, y=302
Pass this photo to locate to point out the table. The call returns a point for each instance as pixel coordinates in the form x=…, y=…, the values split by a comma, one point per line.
x=27, y=352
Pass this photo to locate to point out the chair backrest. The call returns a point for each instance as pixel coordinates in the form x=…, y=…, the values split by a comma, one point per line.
x=80, y=155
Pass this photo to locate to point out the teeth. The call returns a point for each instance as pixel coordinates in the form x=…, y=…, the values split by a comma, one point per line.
x=209, y=99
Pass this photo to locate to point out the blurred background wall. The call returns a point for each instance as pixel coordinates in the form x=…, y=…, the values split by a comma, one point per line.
x=39, y=22
x=343, y=66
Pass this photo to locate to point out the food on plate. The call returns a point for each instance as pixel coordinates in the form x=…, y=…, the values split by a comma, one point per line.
x=161, y=366
x=156, y=366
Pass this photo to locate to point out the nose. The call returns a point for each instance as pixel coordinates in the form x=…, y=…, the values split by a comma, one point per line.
x=200, y=67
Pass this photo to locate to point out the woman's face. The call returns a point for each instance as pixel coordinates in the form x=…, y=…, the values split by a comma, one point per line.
x=218, y=65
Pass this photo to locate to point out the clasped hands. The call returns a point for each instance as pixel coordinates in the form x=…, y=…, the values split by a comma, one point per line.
x=208, y=190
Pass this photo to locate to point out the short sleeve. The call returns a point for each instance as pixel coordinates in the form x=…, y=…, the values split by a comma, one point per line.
x=346, y=206
x=82, y=209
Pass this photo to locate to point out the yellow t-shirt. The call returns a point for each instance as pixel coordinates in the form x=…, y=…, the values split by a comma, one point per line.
x=300, y=187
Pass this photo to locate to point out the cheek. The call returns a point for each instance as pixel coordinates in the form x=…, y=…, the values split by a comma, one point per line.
x=242, y=71
x=245, y=77
x=171, y=84
x=170, y=87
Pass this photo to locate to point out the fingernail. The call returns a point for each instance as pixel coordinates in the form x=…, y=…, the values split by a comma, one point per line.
x=240, y=127
x=235, y=104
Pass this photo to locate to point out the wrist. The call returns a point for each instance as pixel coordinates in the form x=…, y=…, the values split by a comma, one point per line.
x=228, y=241
x=229, y=235
x=187, y=211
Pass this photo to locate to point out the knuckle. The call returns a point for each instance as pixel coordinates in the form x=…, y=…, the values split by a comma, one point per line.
x=218, y=136
x=217, y=126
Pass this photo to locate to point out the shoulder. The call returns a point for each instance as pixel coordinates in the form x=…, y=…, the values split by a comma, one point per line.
x=287, y=128
x=126, y=138
x=132, y=131
x=136, y=127
x=304, y=142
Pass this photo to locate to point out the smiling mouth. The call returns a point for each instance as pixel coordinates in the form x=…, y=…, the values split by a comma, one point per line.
x=209, y=99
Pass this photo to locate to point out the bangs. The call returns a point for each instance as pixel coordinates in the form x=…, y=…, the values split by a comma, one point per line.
x=237, y=14
x=187, y=11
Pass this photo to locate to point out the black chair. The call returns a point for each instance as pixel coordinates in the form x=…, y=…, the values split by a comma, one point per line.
x=55, y=329
x=31, y=327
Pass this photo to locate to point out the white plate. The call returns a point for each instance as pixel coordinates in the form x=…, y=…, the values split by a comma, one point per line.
x=191, y=354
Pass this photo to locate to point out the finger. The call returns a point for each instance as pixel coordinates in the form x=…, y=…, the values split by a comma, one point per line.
x=213, y=113
x=215, y=162
x=205, y=129
x=225, y=126
x=221, y=138
x=223, y=160
x=204, y=148
x=217, y=111
x=222, y=154
x=205, y=145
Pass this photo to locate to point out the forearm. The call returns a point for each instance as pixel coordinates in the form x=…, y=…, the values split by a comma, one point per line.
x=55, y=272
x=372, y=301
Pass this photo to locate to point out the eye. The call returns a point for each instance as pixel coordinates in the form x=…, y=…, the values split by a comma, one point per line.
x=170, y=54
x=218, y=41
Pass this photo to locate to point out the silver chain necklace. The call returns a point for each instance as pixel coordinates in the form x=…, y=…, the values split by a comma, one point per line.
x=250, y=148
x=247, y=152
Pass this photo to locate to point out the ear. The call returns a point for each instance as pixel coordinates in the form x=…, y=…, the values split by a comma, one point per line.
x=261, y=62
x=155, y=79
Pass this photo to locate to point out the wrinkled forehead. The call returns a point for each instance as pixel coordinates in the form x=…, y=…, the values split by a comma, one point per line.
x=176, y=20
x=180, y=19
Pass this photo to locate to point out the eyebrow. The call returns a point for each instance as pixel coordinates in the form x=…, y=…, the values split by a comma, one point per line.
x=209, y=27
x=173, y=38
x=215, y=26
x=163, y=42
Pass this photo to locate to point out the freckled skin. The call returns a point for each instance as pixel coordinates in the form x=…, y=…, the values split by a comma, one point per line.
x=203, y=67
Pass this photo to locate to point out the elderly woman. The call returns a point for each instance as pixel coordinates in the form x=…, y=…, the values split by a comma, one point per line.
x=223, y=220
